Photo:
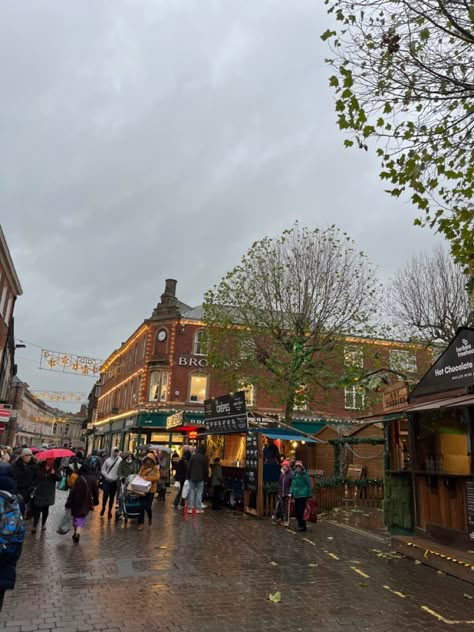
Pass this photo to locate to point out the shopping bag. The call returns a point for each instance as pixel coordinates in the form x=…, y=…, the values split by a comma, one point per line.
x=62, y=485
x=311, y=511
x=139, y=485
x=66, y=523
x=177, y=484
x=186, y=489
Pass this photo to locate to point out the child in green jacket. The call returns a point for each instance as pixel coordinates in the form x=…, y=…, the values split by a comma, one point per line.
x=301, y=490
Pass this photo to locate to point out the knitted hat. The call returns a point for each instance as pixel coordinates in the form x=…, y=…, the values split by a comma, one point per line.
x=299, y=464
x=286, y=464
x=26, y=452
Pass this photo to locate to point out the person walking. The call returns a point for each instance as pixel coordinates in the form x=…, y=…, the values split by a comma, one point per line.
x=300, y=490
x=197, y=473
x=24, y=474
x=82, y=499
x=284, y=486
x=150, y=472
x=128, y=466
x=46, y=477
x=217, y=484
x=109, y=482
x=164, y=465
x=180, y=477
x=12, y=540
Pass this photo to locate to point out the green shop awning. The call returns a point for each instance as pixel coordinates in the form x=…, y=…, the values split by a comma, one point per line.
x=152, y=420
x=311, y=427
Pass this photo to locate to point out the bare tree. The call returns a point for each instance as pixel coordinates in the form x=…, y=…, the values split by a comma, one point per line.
x=428, y=297
x=291, y=300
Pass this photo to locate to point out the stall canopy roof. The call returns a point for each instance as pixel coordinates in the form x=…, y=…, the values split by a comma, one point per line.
x=449, y=402
x=274, y=433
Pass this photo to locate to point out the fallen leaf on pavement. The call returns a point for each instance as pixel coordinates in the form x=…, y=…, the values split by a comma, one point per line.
x=466, y=596
x=275, y=598
x=330, y=537
x=363, y=585
x=273, y=563
x=440, y=572
x=417, y=562
x=312, y=564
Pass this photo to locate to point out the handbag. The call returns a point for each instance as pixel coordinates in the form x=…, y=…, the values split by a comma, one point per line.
x=66, y=523
x=311, y=510
x=186, y=490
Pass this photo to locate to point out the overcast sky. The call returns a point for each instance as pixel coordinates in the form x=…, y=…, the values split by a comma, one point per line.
x=147, y=139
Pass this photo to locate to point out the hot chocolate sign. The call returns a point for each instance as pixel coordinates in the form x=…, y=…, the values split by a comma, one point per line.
x=454, y=368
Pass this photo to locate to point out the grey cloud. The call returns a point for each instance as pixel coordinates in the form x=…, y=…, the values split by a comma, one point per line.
x=145, y=139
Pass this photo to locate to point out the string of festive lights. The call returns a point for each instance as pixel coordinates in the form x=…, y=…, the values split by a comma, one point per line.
x=117, y=354
x=59, y=396
x=69, y=363
x=127, y=379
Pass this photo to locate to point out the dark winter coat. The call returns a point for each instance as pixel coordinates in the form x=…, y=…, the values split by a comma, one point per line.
x=45, y=486
x=127, y=469
x=24, y=474
x=83, y=495
x=181, y=468
x=198, y=467
x=217, y=475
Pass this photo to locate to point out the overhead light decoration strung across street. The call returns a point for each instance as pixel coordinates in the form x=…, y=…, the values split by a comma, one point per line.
x=69, y=363
x=59, y=396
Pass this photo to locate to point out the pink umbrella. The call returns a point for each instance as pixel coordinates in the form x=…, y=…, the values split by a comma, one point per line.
x=55, y=453
x=36, y=450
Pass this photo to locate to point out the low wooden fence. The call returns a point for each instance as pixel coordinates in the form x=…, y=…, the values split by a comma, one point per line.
x=362, y=493
x=331, y=493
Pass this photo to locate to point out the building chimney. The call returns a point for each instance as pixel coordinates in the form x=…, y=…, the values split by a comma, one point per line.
x=170, y=287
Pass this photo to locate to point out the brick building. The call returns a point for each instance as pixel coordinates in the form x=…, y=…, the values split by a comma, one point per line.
x=10, y=289
x=154, y=385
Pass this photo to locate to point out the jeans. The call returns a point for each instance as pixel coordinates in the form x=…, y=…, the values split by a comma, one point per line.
x=109, y=489
x=178, y=500
x=195, y=494
x=145, y=505
x=37, y=511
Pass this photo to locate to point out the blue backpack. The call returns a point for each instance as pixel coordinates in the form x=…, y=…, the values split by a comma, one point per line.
x=12, y=526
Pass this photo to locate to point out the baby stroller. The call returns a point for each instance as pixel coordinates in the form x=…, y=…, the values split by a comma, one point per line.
x=128, y=502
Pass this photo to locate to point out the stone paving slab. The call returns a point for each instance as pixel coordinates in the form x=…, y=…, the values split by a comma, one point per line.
x=215, y=571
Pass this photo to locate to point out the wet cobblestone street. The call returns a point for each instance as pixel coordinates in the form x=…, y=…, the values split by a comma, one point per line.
x=215, y=572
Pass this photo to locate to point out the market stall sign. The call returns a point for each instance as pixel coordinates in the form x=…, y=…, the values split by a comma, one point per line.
x=453, y=369
x=173, y=421
x=227, y=413
x=395, y=397
x=251, y=461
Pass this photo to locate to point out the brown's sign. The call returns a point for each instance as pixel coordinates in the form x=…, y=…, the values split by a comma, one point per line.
x=395, y=397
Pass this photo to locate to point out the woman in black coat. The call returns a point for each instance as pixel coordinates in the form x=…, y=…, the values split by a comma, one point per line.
x=8, y=560
x=180, y=477
x=45, y=492
x=24, y=470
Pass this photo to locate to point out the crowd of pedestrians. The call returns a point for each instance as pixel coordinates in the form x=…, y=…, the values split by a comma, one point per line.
x=28, y=489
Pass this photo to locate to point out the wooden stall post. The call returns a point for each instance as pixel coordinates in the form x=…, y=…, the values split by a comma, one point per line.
x=260, y=510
